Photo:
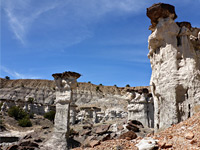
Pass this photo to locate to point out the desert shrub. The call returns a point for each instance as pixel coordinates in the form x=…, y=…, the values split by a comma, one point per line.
x=89, y=81
x=30, y=99
x=7, y=77
x=17, y=113
x=97, y=88
x=31, y=115
x=50, y=115
x=25, y=122
x=22, y=85
x=127, y=85
x=100, y=84
x=1, y=122
x=115, y=85
x=1, y=104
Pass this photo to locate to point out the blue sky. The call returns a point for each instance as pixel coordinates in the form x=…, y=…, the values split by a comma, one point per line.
x=104, y=40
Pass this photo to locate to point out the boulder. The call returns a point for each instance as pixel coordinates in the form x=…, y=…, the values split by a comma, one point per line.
x=128, y=135
x=102, y=129
x=147, y=143
x=94, y=143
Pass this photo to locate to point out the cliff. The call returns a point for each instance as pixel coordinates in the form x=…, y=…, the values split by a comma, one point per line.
x=43, y=91
x=174, y=53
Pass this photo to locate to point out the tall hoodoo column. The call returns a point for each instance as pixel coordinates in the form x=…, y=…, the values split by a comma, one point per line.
x=174, y=53
x=65, y=82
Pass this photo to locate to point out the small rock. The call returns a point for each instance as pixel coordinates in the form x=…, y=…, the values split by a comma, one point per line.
x=128, y=138
x=94, y=143
x=45, y=127
x=85, y=132
x=102, y=129
x=13, y=147
x=193, y=142
x=133, y=128
x=120, y=127
x=161, y=144
x=147, y=143
x=129, y=134
x=168, y=145
x=189, y=135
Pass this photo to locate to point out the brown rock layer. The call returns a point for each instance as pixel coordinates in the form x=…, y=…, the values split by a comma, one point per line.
x=160, y=10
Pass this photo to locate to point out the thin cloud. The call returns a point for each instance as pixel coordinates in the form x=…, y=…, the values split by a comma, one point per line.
x=76, y=15
x=17, y=75
x=19, y=17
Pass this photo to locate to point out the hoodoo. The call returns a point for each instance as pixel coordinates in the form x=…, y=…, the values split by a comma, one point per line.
x=174, y=53
x=65, y=82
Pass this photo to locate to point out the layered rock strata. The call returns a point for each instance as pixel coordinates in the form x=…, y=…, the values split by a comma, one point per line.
x=65, y=82
x=111, y=100
x=174, y=55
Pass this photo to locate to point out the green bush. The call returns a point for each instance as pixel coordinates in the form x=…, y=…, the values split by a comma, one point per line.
x=97, y=88
x=31, y=115
x=30, y=100
x=127, y=85
x=1, y=104
x=1, y=122
x=50, y=115
x=25, y=122
x=7, y=77
x=17, y=113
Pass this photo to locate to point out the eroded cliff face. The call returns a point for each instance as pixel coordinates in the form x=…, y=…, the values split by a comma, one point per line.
x=43, y=91
x=174, y=53
x=110, y=101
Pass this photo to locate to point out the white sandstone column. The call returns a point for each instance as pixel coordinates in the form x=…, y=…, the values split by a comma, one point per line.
x=65, y=82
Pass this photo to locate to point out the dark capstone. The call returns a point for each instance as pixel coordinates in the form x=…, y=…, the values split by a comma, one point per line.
x=133, y=128
x=160, y=10
x=138, y=123
x=66, y=74
x=184, y=23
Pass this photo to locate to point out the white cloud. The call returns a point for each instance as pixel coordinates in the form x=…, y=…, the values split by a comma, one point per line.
x=17, y=75
x=76, y=14
x=20, y=17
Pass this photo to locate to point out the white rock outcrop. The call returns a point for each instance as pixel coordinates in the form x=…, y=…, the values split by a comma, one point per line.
x=174, y=53
x=141, y=107
x=65, y=82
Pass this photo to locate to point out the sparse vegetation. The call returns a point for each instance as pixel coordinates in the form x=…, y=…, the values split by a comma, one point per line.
x=17, y=113
x=25, y=122
x=31, y=115
x=100, y=84
x=7, y=77
x=97, y=88
x=115, y=85
x=20, y=115
x=1, y=104
x=30, y=100
x=128, y=85
x=89, y=81
x=50, y=115
x=22, y=85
